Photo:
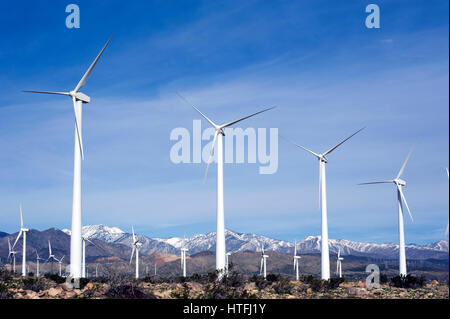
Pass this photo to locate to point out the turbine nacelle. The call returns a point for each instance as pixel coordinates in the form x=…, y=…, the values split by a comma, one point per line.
x=400, y=182
x=79, y=96
x=322, y=158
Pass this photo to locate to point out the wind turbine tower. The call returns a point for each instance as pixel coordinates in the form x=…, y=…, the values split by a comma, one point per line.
x=23, y=232
x=78, y=98
x=399, y=183
x=323, y=160
x=218, y=137
x=296, y=262
x=136, y=244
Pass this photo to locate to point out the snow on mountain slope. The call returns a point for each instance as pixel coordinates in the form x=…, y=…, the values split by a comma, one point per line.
x=240, y=242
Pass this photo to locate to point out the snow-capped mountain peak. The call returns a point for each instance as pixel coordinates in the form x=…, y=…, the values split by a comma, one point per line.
x=236, y=242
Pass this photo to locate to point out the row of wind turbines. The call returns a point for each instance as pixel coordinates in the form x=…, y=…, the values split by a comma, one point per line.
x=77, y=264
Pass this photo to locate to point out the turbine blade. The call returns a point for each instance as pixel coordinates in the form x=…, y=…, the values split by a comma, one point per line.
x=448, y=176
x=379, y=182
x=211, y=154
x=404, y=164
x=337, y=145
x=17, y=239
x=246, y=117
x=134, y=237
x=261, y=267
x=132, y=254
x=21, y=217
x=49, y=248
x=446, y=230
x=77, y=124
x=313, y=153
x=204, y=116
x=46, y=92
x=91, y=67
x=404, y=200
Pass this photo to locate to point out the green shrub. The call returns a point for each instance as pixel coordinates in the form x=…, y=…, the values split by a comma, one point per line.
x=56, y=278
x=34, y=284
x=127, y=291
x=408, y=281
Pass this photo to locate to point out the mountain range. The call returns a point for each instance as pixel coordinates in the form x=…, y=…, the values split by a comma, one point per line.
x=239, y=242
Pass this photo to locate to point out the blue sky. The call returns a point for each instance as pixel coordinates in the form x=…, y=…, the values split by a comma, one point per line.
x=316, y=61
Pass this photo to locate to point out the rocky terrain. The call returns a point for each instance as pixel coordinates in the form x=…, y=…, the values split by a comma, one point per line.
x=209, y=288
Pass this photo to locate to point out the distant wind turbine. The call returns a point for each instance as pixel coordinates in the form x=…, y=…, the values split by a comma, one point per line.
x=218, y=137
x=263, y=269
x=446, y=230
x=325, y=255
x=78, y=99
x=399, y=183
x=136, y=244
x=37, y=263
x=60, y=262
x=183, y=258
x=296, y=262
x=339, y=264
x=51, y=256
x=227, y=262
x=12, y=252
x=83, y=266
x=23, y=231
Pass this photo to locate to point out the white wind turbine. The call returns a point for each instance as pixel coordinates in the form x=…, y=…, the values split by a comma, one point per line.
x=60, y=262
x=51, y=256
x=83, y=266
x=296, y=262
x=37, y=263
x=339, y=264
x=218, y=136
x=446, y=230
x=325, y=255
x=227, y=262
x=136, y=244
x=23, y=231
x=12, y=252
x=183, y=258
x=400, y=198
x=262, y=269
x=78, y=98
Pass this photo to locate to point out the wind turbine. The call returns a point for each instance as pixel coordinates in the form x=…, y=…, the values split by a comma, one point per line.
x=136, y=245
x=60, y=262
x=446, y=230
x=399, y=183
x=296, y=262
x=12, y=252
x=23, y=231
x=83, y=269
x=37, y=263
x=183, y=258
x=51, y=256
x=262, y=269
x=227, y=263
x=218, y=137
x=78, y=98
x=339, y=264
x=325, y=255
